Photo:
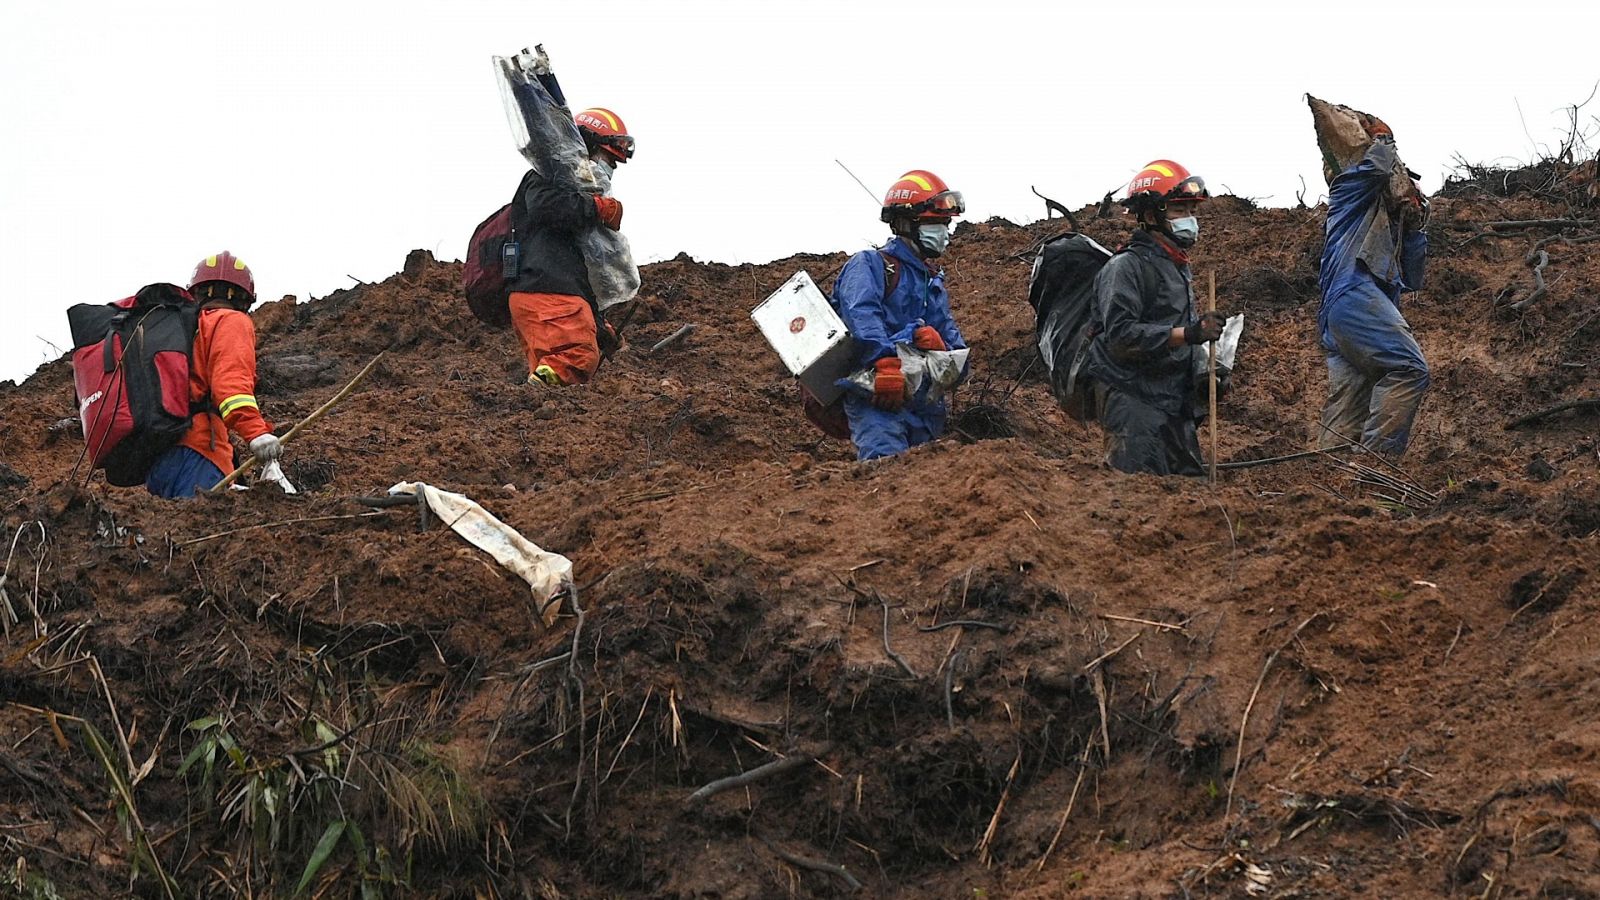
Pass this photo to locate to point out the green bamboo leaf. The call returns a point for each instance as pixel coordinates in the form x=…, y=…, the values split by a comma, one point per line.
x=203, y=724
x=324, y=849
x=195, y=754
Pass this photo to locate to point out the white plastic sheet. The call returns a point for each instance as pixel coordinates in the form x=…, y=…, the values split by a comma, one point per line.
x=545, y=135
x=546, y=573
x=942, y=368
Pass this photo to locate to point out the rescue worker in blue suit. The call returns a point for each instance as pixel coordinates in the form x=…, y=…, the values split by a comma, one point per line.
x=1375, y=251
x=896, y=296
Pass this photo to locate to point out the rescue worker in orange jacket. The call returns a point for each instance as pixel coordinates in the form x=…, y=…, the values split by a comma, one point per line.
x=552, y=305
x=222, y=379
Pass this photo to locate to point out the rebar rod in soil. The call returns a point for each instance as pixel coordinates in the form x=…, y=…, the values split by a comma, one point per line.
x=776, y=767
x=389, y=501
x=1244, y=721
x=672, y=338
x=899, y=660
x=1304, y=454
x=968, y=623
x=815, y=865
x=318, y=413
x=1537, y=260
x=1530, y=418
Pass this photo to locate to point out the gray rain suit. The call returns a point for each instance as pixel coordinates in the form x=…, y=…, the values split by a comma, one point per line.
x=1145, y=388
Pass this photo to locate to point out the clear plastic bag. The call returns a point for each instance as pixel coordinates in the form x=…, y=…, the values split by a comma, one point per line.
x=545, y=135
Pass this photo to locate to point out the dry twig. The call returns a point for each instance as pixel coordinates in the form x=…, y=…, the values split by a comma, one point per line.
x=1238, y=755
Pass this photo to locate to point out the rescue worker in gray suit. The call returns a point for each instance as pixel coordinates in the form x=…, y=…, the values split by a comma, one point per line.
x=1142, y=355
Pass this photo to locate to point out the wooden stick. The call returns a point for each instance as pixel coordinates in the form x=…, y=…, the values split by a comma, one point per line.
x=249, y=463
x=1165, y=626
x=1110, y=653
x=1211, y=355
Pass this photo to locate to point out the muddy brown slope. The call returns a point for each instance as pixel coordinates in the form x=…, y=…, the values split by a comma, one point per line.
x=1415, y=679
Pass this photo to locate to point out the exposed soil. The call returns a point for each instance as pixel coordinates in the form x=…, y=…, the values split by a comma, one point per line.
x=1416, y=680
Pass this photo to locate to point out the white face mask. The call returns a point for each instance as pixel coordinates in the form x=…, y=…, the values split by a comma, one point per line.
x=1184, y=230
x=933, y=238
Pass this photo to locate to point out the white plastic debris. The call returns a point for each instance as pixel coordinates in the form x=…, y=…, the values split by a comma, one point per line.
x=546, y=573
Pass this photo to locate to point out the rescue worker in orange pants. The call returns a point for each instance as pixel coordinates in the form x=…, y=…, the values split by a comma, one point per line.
x=222, y=383
x=552, y=304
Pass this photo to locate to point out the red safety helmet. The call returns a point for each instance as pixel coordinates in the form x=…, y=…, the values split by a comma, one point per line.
x=1163, y=181
x=222, y=269
x=920, y=194
x=603, y=128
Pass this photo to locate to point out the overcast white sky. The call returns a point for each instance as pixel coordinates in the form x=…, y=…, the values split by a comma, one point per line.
x=324, y=140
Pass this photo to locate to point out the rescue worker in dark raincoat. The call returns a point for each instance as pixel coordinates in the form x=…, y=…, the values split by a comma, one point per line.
x=1375, y=251
x=916, y=311
x=1142, y=357
x=552, y=305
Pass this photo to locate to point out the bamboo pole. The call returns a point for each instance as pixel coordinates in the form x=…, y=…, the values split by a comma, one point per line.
x=344, y=392
x=1211, y=354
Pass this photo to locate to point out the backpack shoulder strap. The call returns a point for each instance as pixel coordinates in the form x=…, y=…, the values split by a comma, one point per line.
x=891, y=273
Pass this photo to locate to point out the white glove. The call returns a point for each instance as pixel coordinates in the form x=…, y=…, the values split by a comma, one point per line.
x=266, y=448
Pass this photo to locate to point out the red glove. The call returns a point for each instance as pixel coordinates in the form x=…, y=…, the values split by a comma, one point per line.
x=927, y=338
x=888, y=385
x=610, y=211
x=1376, y=126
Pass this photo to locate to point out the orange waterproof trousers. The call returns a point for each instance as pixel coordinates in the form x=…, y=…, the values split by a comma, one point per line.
x=558, y=331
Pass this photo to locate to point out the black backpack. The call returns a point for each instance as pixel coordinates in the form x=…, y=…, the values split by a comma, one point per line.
x=1061, y=292
x=494, y=259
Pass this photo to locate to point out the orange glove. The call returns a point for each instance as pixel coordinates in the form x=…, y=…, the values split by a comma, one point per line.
x=888, y=385
x=927, y=338
x=1376, y=126
x=610, y=211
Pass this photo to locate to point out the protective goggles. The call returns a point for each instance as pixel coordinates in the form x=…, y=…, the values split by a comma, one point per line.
x=946, y=203
x=621, y=143
x=1191, y=188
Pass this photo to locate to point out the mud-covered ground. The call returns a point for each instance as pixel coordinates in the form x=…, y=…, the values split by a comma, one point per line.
x=1297, y=683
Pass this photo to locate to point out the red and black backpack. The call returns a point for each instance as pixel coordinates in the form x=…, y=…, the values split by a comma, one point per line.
x=130, y=369
x=493, y=260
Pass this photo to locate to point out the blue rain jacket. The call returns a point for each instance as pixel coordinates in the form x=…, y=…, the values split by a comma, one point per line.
x=875, y=320
x=878, y=323
x=1366, y=248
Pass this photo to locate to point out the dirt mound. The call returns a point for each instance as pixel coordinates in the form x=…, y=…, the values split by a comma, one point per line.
x=990, y=667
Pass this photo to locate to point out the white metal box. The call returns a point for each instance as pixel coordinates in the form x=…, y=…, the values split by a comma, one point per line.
x=800, y=324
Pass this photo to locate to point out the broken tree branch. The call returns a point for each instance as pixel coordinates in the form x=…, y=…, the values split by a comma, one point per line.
x=815, y=865
x=1530, y=418
x=776, y=767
